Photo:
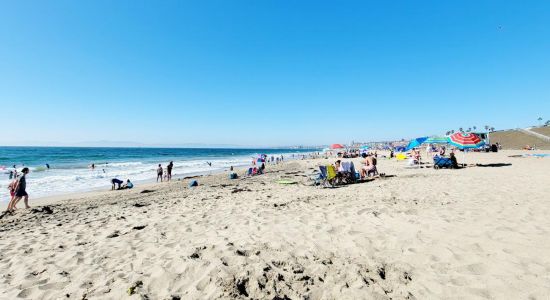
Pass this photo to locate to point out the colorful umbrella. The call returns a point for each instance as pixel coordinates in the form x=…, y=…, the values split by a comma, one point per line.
x=416, y=142
x=365, y=147
x=437, y=140
x=336, y=146
x=465, y=140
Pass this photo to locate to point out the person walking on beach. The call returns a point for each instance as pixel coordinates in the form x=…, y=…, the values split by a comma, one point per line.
x=20, y=191
x=159, y=173
x=169, y=170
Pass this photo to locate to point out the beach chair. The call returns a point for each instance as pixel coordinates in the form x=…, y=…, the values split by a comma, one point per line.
x=442, y=162
x=348, y=173
x=326, y=178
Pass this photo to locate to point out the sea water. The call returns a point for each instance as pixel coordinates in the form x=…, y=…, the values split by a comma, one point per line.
x=70, y=167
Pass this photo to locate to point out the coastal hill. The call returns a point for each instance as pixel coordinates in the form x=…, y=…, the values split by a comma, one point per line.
x=514, y=139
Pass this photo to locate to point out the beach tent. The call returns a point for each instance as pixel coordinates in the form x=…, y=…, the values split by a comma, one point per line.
x=437, y=140
x=336, y=146
x=416, y=143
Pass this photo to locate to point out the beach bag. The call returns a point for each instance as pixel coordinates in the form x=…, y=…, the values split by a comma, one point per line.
x=233, y=176
x=193, y=183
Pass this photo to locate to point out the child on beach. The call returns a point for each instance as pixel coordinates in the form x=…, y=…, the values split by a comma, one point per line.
x=11, y=187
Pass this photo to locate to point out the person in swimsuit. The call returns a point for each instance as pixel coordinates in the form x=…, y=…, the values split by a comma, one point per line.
x=159, y=173
x=20, y=191
x=369, y=167
x=11, y=187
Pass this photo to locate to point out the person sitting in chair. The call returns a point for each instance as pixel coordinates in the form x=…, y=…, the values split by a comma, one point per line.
x=369, y=167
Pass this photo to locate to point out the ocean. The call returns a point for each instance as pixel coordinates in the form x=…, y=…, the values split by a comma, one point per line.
x=70, y=166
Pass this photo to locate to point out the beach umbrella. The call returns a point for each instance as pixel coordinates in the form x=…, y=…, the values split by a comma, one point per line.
x=365, y=147
x=463, y=140
x=416, y=142
x=336, y=146
x=437, y=140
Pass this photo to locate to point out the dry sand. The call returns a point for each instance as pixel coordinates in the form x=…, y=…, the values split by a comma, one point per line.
x=475, y=233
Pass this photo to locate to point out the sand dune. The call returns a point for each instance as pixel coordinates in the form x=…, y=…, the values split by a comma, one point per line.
x=476, y=233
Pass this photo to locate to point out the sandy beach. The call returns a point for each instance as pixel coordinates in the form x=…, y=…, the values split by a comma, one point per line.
x=476, y=233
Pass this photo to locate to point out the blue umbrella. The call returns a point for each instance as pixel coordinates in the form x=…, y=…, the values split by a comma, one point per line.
x=416, y=142
x=365, y=147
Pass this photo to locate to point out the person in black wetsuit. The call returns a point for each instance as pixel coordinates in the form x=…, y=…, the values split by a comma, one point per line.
x=169, y=171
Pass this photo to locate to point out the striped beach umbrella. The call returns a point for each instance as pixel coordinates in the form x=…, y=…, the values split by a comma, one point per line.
x=465, y=140
x=437, y=140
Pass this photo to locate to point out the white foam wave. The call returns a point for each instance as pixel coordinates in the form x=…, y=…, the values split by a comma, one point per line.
x=62, y=181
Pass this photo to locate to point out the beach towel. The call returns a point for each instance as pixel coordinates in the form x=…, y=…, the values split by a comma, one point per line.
x=286, y=181
x=401, y=156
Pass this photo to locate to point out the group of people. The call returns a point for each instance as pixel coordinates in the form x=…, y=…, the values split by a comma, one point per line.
x=162, y=175
x=121, y=185
x=18, y=190
x=166, y=176
x=345, y=171
x=270, y=159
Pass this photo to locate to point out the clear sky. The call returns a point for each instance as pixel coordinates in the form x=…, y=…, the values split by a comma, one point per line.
x=269, y=72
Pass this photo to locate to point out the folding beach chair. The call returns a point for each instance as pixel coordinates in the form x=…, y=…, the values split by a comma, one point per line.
x=326, y=178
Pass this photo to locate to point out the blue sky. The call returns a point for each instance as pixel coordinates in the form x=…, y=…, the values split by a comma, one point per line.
x=268, y=73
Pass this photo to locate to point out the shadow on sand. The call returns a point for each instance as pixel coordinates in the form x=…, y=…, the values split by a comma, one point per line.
x=493, y=165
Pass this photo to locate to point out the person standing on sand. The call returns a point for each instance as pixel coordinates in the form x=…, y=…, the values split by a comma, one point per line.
x=159, y=173
x=169, y=171
x=20, y=191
